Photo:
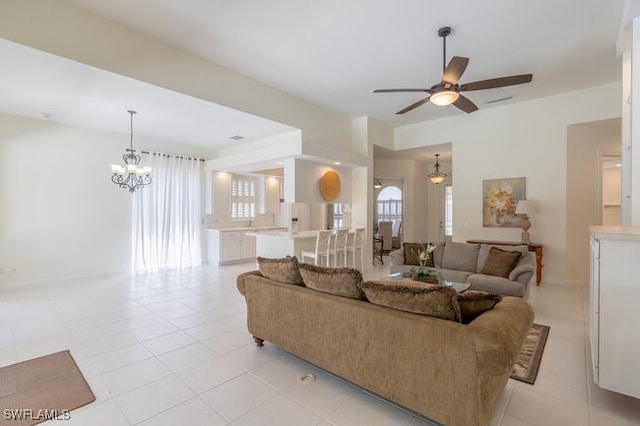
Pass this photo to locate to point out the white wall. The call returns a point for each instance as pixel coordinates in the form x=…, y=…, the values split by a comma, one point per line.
x=525, y=139
x=61, y=215
x=307, y=175
x=586, y=143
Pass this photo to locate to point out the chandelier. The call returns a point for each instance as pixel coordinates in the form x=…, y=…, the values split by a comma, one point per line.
x=130, y=175
x=437, y=177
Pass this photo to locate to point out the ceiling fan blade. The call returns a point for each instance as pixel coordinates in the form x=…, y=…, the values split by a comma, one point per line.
x=465, y=104
x=497, y=82
x=401, y=90
x=415, y=105
x=455, y=69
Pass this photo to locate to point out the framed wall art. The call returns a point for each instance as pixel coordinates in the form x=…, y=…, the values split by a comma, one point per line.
x=499, y=200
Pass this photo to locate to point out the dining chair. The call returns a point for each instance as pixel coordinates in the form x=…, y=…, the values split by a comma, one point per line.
x=324, y=243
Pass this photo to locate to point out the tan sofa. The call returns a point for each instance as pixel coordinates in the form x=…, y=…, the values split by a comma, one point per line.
x=450, y=372
x=464, y=262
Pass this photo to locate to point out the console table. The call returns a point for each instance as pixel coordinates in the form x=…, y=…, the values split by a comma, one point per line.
x=534, y=247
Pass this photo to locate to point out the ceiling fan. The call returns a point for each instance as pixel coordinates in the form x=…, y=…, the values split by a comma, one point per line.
x=448, y=91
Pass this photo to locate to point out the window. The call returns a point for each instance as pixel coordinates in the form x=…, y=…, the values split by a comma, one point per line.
x=243, y=198
x=338, y=217
x=448, y=210
x=390, y=204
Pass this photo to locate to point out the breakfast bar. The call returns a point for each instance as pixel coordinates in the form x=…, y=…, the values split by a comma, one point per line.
x=276, y=244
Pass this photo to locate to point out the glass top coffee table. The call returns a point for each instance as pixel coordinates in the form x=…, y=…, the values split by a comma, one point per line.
x=459, y=287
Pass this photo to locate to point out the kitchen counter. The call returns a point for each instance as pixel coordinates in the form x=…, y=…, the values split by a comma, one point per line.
x=249, y=228
x=276, y=244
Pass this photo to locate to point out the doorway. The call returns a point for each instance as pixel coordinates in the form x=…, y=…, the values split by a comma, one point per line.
x=611, y=187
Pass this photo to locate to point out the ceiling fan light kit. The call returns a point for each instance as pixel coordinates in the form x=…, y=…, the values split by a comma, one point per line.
x=446, y=97
x=448, y=91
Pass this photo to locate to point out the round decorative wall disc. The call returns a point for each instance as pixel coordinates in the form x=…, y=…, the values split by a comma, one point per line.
x=330, y=185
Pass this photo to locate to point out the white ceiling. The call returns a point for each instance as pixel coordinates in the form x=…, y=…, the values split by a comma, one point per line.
x=36, y=84
x=333, y=53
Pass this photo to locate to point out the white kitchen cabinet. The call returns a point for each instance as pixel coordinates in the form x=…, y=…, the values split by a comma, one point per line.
x=230, y=246
x=221, y=193
x=272, y=195
x=247, y=246
x=614, y=292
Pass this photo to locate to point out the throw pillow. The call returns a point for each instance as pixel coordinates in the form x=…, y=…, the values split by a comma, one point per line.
x=500, y=262
x=284, y=270
x=411, y=296
x=412, y=252
x=474, y=302
x=338, y=281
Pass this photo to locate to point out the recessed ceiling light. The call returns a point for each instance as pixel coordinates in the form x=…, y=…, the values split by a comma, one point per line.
x=280, y=163
x=337, y=163
x=47, y=114
x=236, y=137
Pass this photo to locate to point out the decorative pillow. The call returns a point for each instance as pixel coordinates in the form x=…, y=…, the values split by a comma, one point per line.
x=486, y=248
x=284, y=270
x=500, y=262
x=412, y=252
x=474, y=302
x=411, y=296
x=338, y=281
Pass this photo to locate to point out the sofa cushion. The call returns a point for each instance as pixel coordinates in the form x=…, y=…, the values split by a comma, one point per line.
x=486, y=248
x=338, y=281
x=284, y=270
x=412, y=254
x=473, y=302
x=411, y=296
x=498, y=285
x=460, y=256
x=436, y=255
x=500, y=262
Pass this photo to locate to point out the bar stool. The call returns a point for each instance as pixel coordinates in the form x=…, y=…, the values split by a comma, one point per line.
x=357, y=243
x=324, y=241
x=339, y=249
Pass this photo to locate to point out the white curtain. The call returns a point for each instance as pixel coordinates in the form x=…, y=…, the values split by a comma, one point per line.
x=167, y=216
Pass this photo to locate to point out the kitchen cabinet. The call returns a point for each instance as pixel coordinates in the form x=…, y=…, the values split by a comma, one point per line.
x=613, y=295
x=221, y=193
x=272, y=195
x=226, y=246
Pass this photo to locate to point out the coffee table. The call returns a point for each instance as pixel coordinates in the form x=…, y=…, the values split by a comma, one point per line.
x=459, y=287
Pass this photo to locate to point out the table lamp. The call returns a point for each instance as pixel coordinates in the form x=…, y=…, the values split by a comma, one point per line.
x=525, y=208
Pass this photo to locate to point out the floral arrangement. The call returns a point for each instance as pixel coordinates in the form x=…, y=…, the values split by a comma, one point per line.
x=423, y=272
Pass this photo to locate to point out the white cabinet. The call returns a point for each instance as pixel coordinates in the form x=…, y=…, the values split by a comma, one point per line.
x=232, y=246
x=221, y=193
x=613, y=300
x=272, y=195
x=247, y=247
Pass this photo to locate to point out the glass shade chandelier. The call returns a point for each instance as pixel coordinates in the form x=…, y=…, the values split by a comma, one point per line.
x=131, y=176
x=437, y=177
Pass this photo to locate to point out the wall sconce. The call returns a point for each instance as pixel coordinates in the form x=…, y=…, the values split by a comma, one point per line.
x=377, y=184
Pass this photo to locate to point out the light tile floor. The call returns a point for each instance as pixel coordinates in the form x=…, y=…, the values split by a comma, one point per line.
x=172, y=348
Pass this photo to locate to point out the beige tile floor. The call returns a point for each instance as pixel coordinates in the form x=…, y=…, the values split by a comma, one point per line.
x=172, y=348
